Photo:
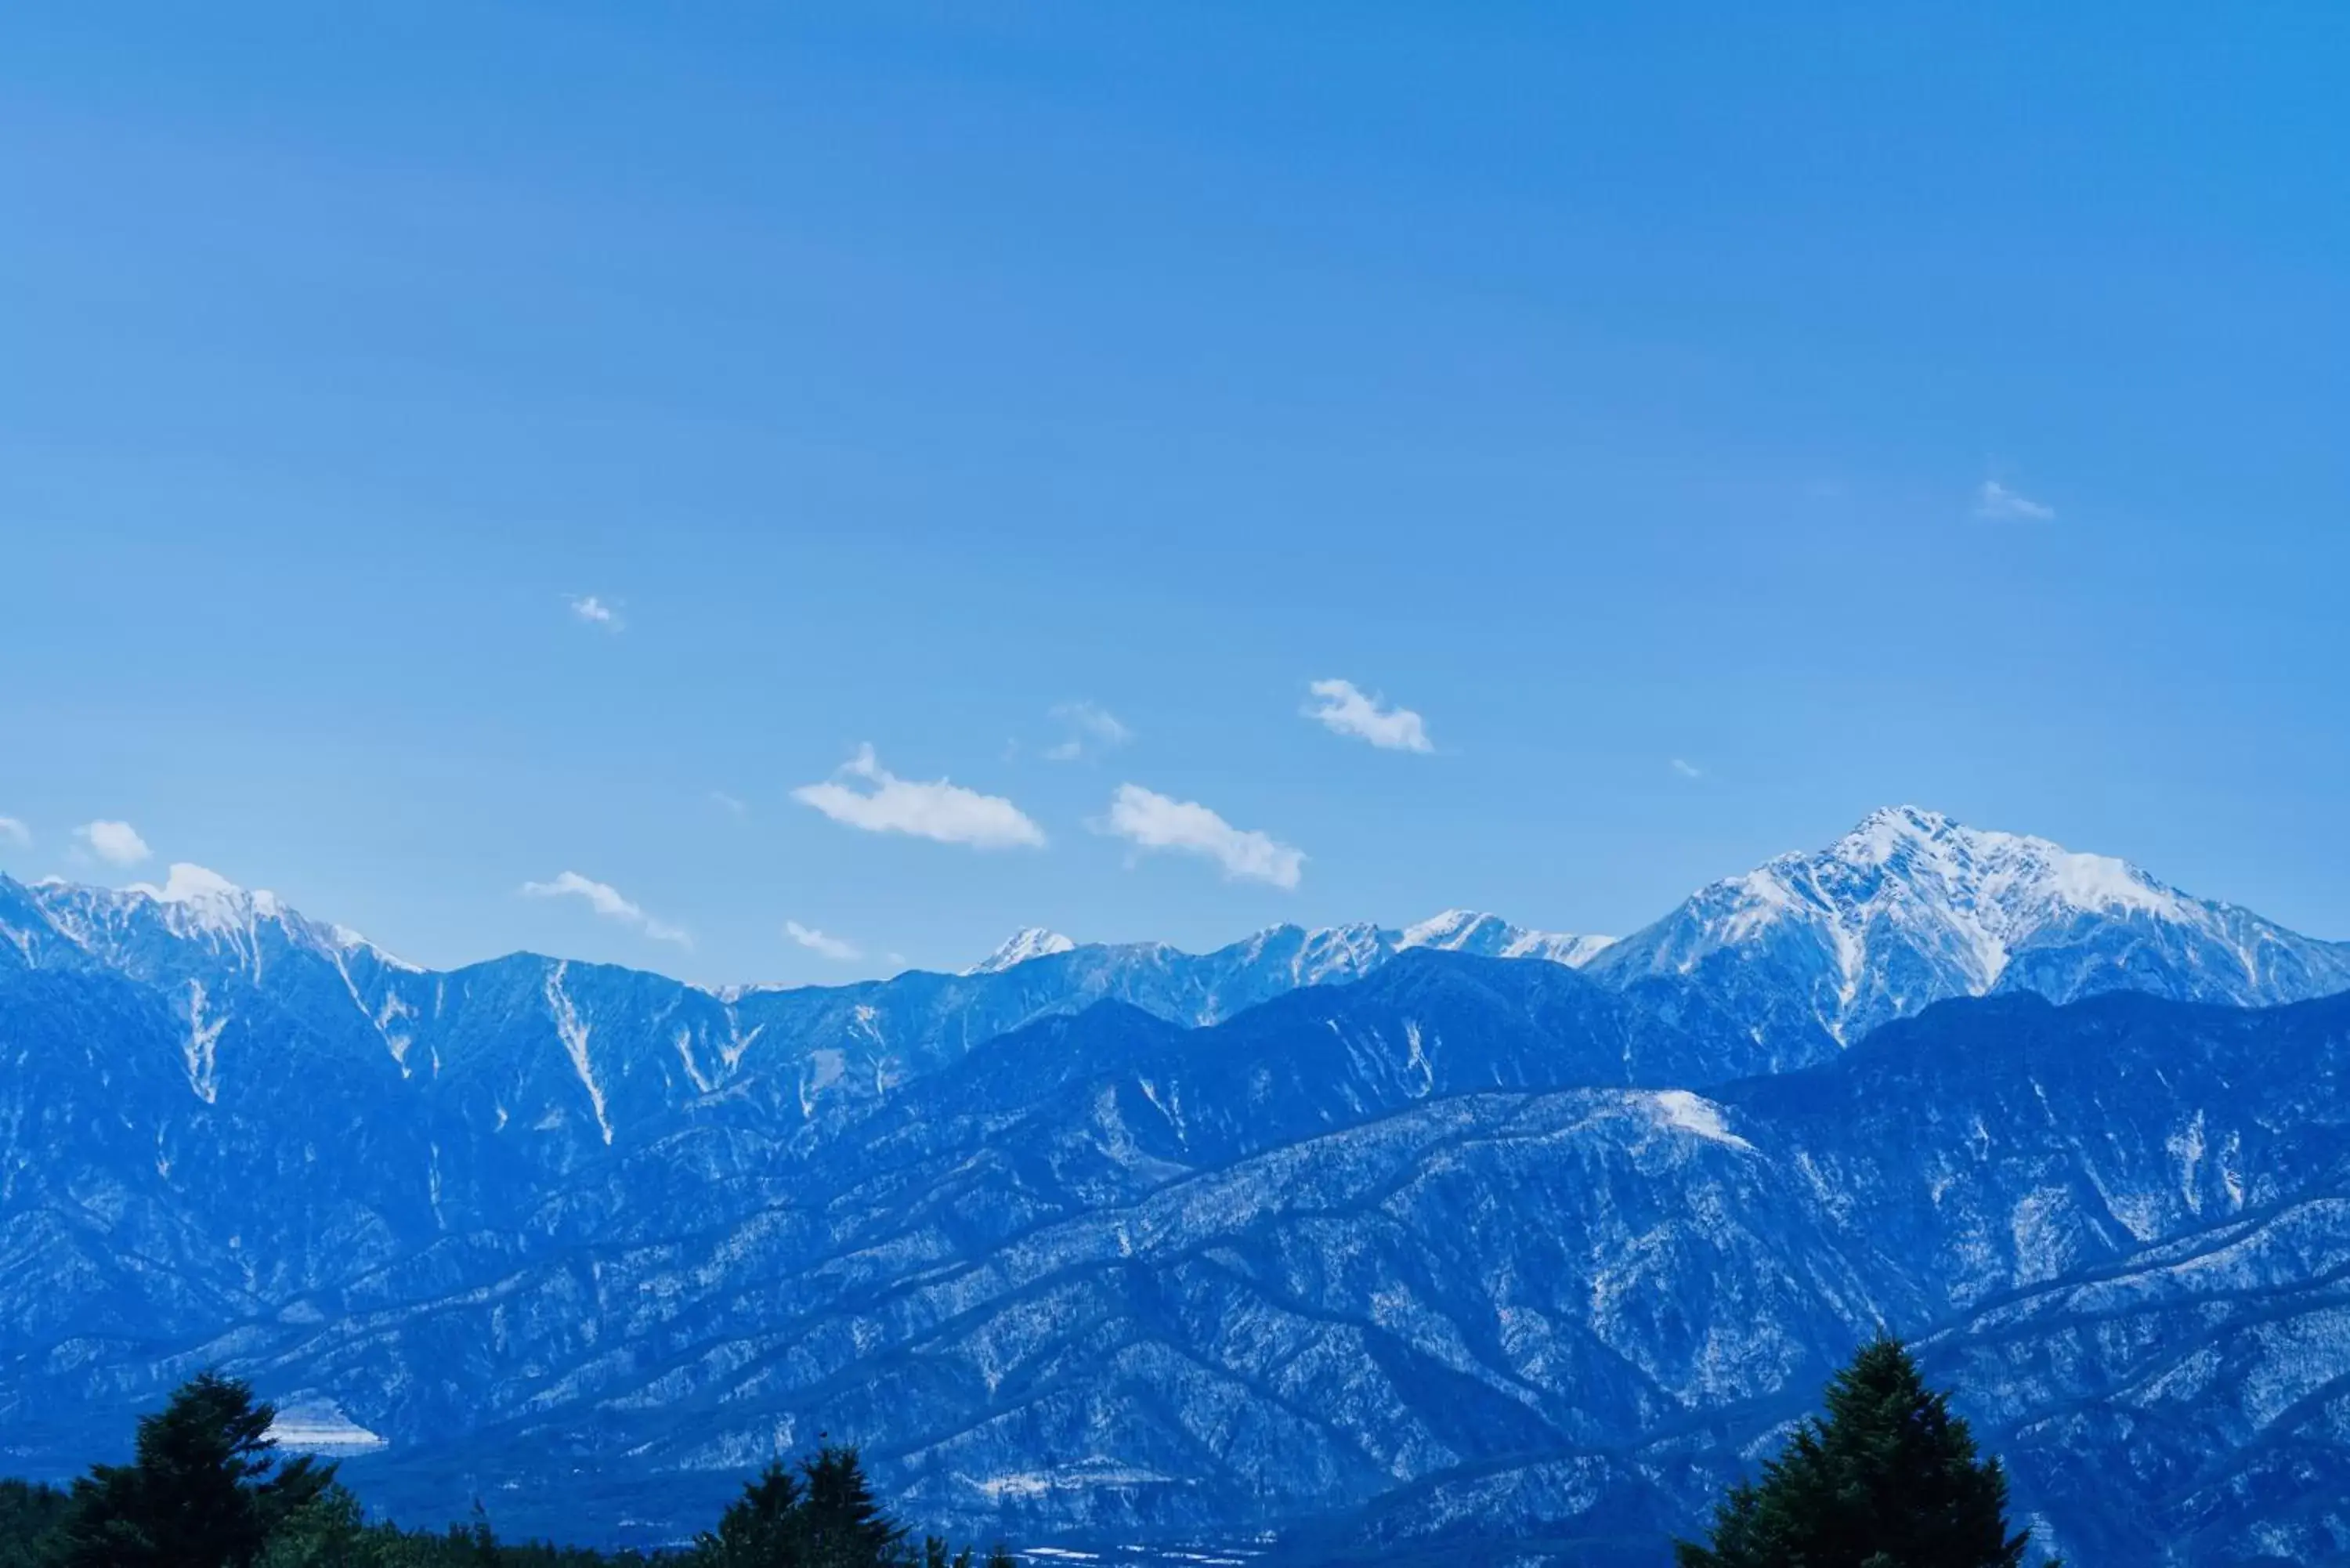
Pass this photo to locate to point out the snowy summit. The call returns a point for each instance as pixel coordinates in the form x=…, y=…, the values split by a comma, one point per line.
x=1033, y=942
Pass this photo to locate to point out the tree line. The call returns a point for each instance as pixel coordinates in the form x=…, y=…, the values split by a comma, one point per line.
x=1886, y=1477
x=206, y=1488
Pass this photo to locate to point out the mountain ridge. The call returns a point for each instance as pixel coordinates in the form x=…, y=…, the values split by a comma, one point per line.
x=1989, y=917
x=1360, y=1230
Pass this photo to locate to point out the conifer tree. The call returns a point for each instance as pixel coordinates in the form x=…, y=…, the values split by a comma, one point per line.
x=1888, y=1479
x=330, y=1533
x=826, y=1516
x=29, y=1517
x=200, y=1493
x=846, y=1527
x=934, y=1554
x=761, y=1529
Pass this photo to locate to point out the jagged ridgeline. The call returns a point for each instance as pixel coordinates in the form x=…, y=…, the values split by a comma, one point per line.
x=1325, y=1243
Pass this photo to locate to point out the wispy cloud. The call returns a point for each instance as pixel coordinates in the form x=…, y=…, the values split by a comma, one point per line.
x=818, y=941
x=1344, y=708
x=596, y=612
x=1688, y=769
x=1997, y=502
x=116, y=843
x=14, y=832
x=734, y=805
x=1155, y=821
x=865, y=795
x=607, y=901
x=1092, y=730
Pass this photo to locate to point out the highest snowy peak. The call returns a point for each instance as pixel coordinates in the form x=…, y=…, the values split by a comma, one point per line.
x=1911, y=908
x=1989, y=892
x=2008, y=873
x=1032, y=942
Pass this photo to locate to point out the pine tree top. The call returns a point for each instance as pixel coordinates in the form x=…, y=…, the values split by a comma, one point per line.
x=1889, y=1478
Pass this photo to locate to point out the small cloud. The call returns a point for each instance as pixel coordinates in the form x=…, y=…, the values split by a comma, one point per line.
x=607, y=901
x=596, y=612
x=116, y=843
x=1092, y=730
x=1155, y=821
x=818, y=941
x=935, y=809
x=14, y=832
x=1345, y=710
x=1688, y=770
x=732, y=805
x=1997, y=502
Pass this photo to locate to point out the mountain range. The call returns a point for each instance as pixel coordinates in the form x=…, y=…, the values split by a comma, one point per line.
x=1358, y=1238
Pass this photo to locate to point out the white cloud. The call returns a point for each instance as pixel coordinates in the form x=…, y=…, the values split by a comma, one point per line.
x=607, y=901
x=596, y=612
x=14, y=832
x=815, y=940
x=1345, y=710
x=1155, y=822
x=937, y=809
x=1688, y=770
x=116, y=843
x=1997, y=501
x=1092, y=730
x=733, y=804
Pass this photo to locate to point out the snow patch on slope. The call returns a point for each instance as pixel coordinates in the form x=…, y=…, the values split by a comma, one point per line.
x=1685, y=1111
x=574, y=1035
x=203, y=1050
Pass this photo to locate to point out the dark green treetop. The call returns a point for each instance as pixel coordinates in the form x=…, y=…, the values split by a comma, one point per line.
x=204, y=1491
x=1887, y=1479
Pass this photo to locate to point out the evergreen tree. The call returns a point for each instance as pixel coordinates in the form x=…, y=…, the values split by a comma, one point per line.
x=761, y=1529
x=845, y=1526
x=207, y=1490
x=823, y=1516
x=327, y=1533
x=1888, y=1480
x=29, y=1516
x=200, y=1493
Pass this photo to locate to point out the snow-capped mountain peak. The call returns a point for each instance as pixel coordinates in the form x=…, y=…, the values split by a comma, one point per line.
x=1986, y=892
x=208, y=899
x=1448, y=930
x=138, y=928
x=1489, y=936
x=1033, y=942
x=2009, y=872
x=1911, y=908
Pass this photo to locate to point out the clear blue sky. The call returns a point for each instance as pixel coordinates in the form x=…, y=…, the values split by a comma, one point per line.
x=1614, y=386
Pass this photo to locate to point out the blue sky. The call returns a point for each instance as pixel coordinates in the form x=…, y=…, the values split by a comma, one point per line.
x=1711, y=421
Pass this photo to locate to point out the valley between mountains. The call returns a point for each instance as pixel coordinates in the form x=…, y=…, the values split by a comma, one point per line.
x=1325, y=1242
